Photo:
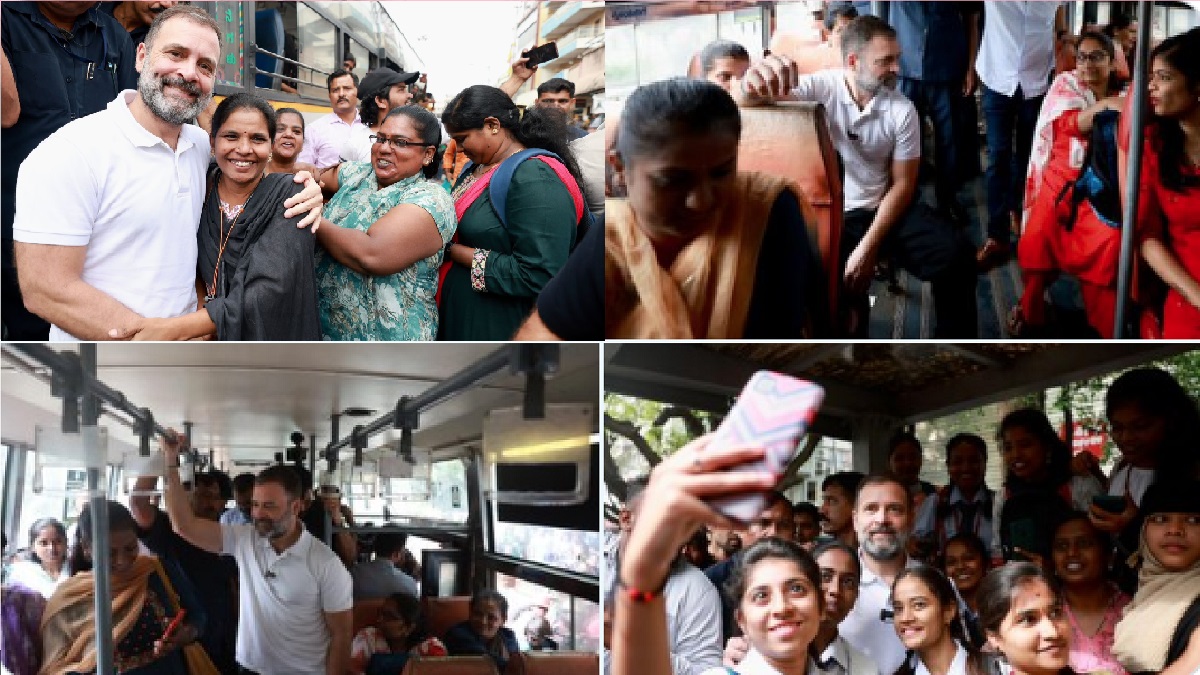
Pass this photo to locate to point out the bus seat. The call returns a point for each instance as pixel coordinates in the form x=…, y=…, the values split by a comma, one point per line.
x=268, y=33
x=809, y=54
x=440, y=614
x=450, y=665
x=554, y=663
x=792, y=140
x=366, y=612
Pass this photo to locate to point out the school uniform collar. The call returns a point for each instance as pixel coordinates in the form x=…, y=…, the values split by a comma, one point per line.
x=756, y=664
x=957, y=667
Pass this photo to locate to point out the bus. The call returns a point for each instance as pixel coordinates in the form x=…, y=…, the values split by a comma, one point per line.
x=484, y=456
x=283, y=51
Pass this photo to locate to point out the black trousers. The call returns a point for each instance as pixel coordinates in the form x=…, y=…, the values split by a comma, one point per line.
x=929, y=247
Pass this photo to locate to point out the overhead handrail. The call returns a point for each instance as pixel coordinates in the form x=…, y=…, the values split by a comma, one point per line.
x=71, y=381
x=535, y=361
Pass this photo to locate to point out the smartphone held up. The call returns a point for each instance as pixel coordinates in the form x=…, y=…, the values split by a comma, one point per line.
x=773, y=412
x=541, y=54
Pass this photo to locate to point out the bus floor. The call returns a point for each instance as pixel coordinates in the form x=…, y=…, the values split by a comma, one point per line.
x=909, y=314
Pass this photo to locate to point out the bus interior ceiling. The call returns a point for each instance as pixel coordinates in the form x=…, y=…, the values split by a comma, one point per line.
x=871, y=390
x=244, y=401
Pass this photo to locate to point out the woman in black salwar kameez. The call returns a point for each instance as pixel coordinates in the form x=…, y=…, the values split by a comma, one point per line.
x=254, y=267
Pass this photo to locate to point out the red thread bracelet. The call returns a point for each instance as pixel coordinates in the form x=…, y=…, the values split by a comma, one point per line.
x=638, y=595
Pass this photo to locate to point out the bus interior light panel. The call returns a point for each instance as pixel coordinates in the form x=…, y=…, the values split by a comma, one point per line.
x=61, y=460
x=536, y=461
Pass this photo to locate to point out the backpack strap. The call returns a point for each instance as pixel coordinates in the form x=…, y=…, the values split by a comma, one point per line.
x=498, y=188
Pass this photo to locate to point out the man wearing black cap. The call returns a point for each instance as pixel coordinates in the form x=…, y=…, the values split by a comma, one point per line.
x=379, y=92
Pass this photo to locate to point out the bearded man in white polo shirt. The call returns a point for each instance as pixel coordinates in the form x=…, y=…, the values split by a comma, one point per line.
x=295, y=596
x=883, y=519
x=877, y=132
x=108, y=206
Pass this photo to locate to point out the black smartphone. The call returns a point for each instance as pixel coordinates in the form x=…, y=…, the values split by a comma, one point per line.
x=541, y=54
x=1110, y=503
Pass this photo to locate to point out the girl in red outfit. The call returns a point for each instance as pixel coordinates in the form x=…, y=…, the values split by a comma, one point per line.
x=1169, y=206
x=1061, y=135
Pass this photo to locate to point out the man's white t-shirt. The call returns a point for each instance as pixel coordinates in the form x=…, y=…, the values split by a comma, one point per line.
x=283, y=599
x=105, y=182
x=865, y=628
x=358, y=144
x=869, y=140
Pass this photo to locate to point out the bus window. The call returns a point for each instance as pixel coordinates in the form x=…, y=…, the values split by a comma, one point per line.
x=449, y=489
x=318, y=41
x=574, y=622
x=232, y=21
x=438, y=493
x=571, y=550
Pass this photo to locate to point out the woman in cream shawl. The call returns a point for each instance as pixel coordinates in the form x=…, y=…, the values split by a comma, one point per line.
x=1160, y=632
x=1059, y=145
x=700, y=250
x=145, y=599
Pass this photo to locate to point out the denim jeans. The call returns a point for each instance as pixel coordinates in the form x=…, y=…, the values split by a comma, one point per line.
x=1007, y=167
x=936, y=100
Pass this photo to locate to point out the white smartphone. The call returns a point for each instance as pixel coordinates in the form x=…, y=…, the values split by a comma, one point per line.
x=772, y=412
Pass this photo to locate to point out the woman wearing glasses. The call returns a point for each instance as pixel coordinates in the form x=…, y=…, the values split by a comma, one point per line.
x=382, y=235
x=1087, y=247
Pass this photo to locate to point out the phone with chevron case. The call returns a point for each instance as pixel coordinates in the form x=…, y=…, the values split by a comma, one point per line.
x=772, y=412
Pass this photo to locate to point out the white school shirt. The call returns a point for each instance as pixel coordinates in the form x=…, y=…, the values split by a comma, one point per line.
x=105, y=182
x=841, y=658
x=926, y=522
x=869, y=140
x=957, y=667
x=283, y=599
x=755, y=664
x=1017, y=47
x=1134, y=479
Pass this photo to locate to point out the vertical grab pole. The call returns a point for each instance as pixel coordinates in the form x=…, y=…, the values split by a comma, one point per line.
x=1133, y=171
x=96, y=464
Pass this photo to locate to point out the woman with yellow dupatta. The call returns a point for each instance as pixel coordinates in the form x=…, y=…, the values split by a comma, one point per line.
x=699, y=249
x=146, y=597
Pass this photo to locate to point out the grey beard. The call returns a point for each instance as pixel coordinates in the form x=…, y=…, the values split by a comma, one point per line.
x=150, y=87
x=885, y=552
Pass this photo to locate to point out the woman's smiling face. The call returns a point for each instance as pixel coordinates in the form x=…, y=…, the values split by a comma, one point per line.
x=780, y=610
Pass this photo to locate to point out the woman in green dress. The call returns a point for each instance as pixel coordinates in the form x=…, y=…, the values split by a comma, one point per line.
x=382, y=235
x=497, y=267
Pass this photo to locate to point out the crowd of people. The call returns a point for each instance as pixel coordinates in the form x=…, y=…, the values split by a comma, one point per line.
x=1044, y=95
x=1061, y=569
x=198, y=588
x=174, y=219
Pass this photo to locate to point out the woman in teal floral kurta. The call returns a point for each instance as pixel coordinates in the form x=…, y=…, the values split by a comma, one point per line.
x=383, y=234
